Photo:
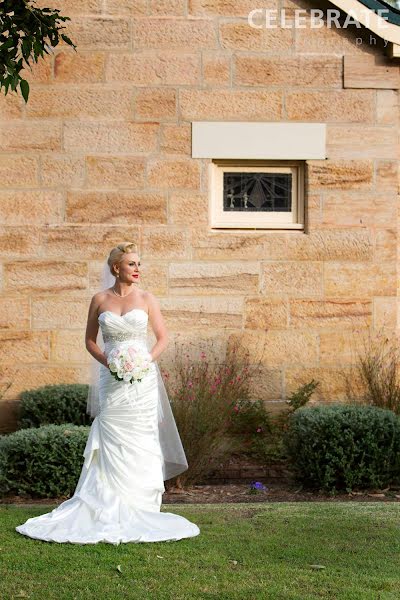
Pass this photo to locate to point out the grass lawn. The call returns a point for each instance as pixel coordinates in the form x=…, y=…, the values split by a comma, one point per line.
x=244, y=551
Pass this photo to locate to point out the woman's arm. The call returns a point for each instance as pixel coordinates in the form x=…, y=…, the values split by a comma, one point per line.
x=92, y=328
x=158, y=326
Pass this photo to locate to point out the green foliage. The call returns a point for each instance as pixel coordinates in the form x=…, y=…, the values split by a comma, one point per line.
x=54, y=404
x=42, y=462
x=27, y=33
x=344, y=446
x=302, y=395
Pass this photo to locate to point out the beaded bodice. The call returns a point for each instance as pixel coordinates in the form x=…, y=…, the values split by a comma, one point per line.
x=131, y=326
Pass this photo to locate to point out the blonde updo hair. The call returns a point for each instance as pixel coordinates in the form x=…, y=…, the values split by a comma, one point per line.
x=117, y=253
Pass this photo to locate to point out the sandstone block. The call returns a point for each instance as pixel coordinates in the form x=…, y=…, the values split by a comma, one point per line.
x=23, y=347
x=341, y=348
x=133, y=8
x=155, y=104
x=45, y=276
x=332, y=384
x=39, y=375
x=85, y=103
x=15, y=313
x=387, y=176
x=115, y=172
x=385, y=313
x=59, y=170
x=188, y=208
x=240, y=36
x=227, y=8
x=213, y=278
x=386, y=242
x=303, y=71
x=18, y=171
x=83, y=67
x=173, y=33
x=387, y=107
x=358, y=210
x=353, y=142
x=174, y=174
x=265, y=313
x=217, y=245
x=21, y=136
x=340, y=174
x=359, y=280
x=202, y=313
x=216, y=69
x=56, y=312
x=99, y=32
x=325, y=244
x=168, y=7
x=165, y=243
x=154, y=68
x=68, y=346
x=176, y=139
x=248, y=105
x=377, y=72
x=292, y=279
x=351, y=106
x=14, y=244
x=10, y=106
x=83, y=242
x=115, y=138
x=115, y=207
x=23, y=207
x=330, y=313
x=68, y=7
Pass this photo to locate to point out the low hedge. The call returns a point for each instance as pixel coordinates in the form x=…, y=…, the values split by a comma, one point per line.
x=54, y=404
x=42, y=462
x=344, y=446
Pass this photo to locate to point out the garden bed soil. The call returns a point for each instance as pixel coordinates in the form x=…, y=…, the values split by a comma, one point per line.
x=233, y=493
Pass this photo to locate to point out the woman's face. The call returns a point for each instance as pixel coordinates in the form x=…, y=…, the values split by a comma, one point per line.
x=128, y=268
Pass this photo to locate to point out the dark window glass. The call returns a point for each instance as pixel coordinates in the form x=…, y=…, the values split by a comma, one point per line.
x=254, y=192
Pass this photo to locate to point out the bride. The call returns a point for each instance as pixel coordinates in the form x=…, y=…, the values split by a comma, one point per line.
x=133, y=444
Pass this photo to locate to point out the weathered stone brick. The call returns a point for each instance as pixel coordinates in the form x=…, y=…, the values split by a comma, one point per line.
x=174, y=174
x=201, y=313
x=167, y=7
x=330, y=314
x=358, y=210
x=133, y=8
x=352, y=106
x=213, y=278
x=40, y=375
x=355, y=142
x=385, y=313
x=116, y=137
x=359, y=279
x=339, y=348
x=331, y=382
x=119, y=172
x=165, y=243
x=99, y=33
x=341, y=174
x=14, y=245
x=15, y=313
x=173, y=33
x=81, y=104
x=240, y=36
x=297, y=71
x=83, y=241
x=81, y=67
x=188, y=208
x=10, y=106
x=22, y=207
x=27, y=135
x=61, y=170
x=387, y=176
x=18, y=171
x=68, y=346
x=176, y=139
x=230, y=104
x=72, y=7
x=155, y=104
x=115, y=207
x=387, y=107
x=227, y=8
x=56, y=312
x=154, y=68
x=386, y=242
x=265, y=313
x=292, y=279
x=45, y=276
x=23, y=347
x=216, y=69
x=217, y=245
x=326, y=244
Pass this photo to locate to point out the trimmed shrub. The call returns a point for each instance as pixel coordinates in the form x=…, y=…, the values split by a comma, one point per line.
x=54, y=404
x=42, y=462
x=344, y=446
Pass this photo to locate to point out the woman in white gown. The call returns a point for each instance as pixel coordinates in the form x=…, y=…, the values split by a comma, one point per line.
x=133, y=444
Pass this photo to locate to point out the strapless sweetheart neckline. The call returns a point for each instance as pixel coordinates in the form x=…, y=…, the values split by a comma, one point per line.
x=124, y=315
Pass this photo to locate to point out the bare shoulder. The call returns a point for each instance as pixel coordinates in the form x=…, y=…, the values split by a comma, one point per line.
x=97, y=299
x=150, y=300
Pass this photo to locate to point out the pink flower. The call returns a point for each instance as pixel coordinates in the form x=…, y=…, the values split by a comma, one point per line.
x=190, y=384
x=236, y=409
x=259, y=429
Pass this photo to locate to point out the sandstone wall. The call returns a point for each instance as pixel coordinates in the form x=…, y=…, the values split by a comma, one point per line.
x=102, y=153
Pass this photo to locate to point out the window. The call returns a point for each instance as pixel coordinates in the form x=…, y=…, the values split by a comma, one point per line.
x=257, y=194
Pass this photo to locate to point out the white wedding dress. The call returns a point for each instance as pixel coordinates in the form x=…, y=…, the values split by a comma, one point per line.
x=119, y=492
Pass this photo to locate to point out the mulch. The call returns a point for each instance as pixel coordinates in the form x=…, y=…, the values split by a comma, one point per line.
x=240, y=493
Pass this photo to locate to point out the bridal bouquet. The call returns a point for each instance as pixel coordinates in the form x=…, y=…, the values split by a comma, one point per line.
x=129, y=364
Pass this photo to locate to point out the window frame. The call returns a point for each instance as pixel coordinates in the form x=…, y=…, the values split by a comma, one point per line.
x=255, y=220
